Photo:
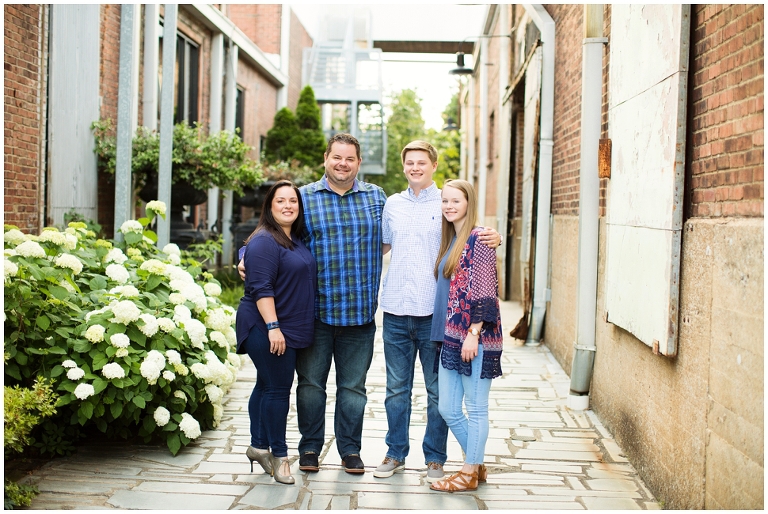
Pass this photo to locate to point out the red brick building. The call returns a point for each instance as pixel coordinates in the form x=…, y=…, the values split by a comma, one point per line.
x=677, y=212
x=45, y=76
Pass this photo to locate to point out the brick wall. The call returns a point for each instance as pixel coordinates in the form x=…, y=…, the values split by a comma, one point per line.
x=490, y=63
x=22, y=138
x=604, y=117
x=567, y=109
x=726, y=123
x=299, y=41
x=260, y=22
x=260, y=104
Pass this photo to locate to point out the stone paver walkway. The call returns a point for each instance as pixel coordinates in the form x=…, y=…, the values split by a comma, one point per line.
x=539, y=454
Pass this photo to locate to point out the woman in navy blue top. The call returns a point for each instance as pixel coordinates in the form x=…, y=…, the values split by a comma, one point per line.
x=275, y=318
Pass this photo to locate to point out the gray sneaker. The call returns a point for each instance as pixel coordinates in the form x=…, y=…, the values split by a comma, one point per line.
x=434, y=472
x=388, y=467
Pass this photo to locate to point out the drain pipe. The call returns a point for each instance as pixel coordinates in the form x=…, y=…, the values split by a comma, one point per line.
x=589, y=188
x=546, y=27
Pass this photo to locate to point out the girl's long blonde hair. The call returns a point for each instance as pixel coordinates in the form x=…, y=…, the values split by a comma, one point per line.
x=449, y=231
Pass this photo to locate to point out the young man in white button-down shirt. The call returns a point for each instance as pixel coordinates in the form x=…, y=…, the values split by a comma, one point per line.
x=411, y=225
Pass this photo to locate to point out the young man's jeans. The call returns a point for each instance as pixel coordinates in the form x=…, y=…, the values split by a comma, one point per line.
x=270, y=400
x=404, y=336
x=352, y=352
x=471, y=433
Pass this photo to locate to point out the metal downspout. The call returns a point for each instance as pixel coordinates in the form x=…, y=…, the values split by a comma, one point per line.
x=546, y=27
x=589, y=191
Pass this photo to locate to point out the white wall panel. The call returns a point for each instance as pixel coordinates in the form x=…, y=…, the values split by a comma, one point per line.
x=647, y=104
x=73, y=106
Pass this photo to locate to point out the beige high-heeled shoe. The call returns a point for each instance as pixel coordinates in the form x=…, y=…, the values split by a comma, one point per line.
x=260, y=456
x=279, y=477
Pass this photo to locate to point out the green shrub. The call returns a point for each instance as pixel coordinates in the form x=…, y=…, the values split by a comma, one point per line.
x=18, y=495
x=23, y=409
x=134, y=343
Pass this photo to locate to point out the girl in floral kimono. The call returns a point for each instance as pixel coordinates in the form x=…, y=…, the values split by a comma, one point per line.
x=470, y=330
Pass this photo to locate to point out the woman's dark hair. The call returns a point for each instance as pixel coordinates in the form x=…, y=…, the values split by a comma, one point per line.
x=267, y=220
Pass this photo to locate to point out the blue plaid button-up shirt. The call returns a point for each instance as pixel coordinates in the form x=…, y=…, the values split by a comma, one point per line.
x=344, y=236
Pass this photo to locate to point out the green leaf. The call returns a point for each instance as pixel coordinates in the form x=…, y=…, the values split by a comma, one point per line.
x=99, y=361
x=98, y=283
x=58, y=292
x=136, y=335
x=116, y=409
x=174, y=444
x=139, y=402
x=145, y=221
x=132, y=237
x=99, y=385
x=170, y=427
x=86, y=409
x=65, y=399
x=12, y=369
x=101, y=424
x=21, y=358
x=149, y=424
x=43, y=322
x=150, y=235
x=64, y=332
x=153, y=281
x=56, y=371
x=57, y=350
x=82, y=346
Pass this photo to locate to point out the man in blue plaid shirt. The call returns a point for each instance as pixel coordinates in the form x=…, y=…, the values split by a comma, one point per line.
x=343, y=220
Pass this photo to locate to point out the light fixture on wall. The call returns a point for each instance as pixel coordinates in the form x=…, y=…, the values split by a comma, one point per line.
x=460, y=68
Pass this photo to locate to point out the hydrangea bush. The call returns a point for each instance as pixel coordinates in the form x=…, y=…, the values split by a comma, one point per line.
x=134, y=337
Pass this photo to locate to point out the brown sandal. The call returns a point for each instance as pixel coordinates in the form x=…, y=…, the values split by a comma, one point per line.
x=482, y=473
x=457, y=482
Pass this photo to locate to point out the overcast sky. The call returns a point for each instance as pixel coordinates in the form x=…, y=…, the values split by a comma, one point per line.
x=421, y=22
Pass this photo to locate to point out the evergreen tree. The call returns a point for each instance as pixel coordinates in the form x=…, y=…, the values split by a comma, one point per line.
x=278, y=145
x=308, y=142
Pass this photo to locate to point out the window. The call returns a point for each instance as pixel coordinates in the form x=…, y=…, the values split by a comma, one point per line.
x=186, y=76
x=240, y=112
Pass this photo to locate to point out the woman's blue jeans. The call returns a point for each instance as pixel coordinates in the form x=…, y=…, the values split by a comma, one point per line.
x=352, y=351
x=404, y=337
x=270, y=400
x=470, y=430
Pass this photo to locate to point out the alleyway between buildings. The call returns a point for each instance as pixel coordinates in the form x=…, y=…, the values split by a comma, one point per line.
x=539, y=455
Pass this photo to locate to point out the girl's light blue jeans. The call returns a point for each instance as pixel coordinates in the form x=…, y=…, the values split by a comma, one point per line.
x=470, y=430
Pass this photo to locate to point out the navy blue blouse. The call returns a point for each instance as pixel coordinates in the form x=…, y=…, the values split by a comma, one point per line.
x=290, y=277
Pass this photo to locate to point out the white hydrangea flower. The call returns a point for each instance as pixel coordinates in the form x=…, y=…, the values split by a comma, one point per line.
x=168, y=375
x=115, y=255
x=176, y=273
x=67, y=260
x=83, y=391
x=53, y=236
x=154, y=266
x=212, y=289
x=133, y=252
x=121, y=352
x=234, y=360
x=75, y=374
x=162, y=416
x=9, y=252
x=214, y=392
x=181, y=313
x=231, y=336
x=166, y=325
x=30, y=249
x=112, y=370
x=174, y=259
x=180, y=394
x=176, y=298
x=157, y=357
x=118, y=273
x=14, y=237
x=131, y=226
x=177, y=284
x=171, y=249
x=9, y=269
x=129, y=291
x=173, y=357
x=200, y=370
x=125, y=312
x=157, y=206
x=189, y=426
x=218, y=411
x=217, y=319
x=181, y=369
x=69, y=363
x=150, y=326
x=219, y=373
x=120, y=341
x=219, y=338
x=196, y=332
x=150, y=371
x=71, y=241
x=95, y=333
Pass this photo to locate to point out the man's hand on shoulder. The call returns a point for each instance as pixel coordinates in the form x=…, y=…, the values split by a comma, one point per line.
x=241, y=269
x=490, y=238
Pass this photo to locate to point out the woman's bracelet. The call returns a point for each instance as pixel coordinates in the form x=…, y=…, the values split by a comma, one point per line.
x=273, y=325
